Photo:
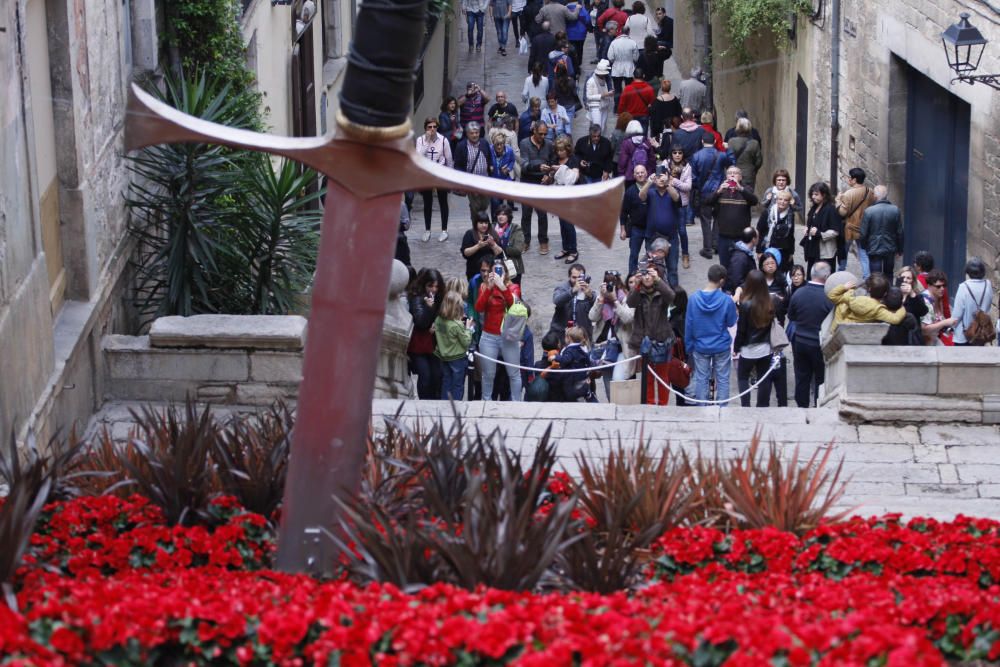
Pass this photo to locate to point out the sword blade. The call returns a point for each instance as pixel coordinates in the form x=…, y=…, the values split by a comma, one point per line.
x=342, y=348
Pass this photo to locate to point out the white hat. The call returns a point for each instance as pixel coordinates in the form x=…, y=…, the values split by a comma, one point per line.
x=633, y=128
x=603, y=68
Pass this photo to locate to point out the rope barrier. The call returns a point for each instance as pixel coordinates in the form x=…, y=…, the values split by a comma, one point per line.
x=775, y=363
x=560, y=370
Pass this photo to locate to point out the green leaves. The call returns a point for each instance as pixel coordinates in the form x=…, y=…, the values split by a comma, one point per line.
x=747, y=21
x=218, y=230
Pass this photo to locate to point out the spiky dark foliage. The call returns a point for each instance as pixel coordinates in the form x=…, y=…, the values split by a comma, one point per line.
x=468, y=514
x=252, y=457
x=169, y=460
x=29, y=484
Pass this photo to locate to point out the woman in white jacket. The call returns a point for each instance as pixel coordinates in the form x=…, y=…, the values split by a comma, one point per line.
x=600, y=94
x=612, y=319
x=435, y=148
x=639, y=25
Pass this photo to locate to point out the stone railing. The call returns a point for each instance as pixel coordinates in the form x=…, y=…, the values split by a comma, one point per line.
x=870, y=382
x=240, y=359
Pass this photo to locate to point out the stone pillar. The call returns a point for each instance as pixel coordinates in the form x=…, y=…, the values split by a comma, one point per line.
x=392, y=378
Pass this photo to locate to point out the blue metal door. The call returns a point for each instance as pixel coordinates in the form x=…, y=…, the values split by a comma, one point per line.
x=937, y=174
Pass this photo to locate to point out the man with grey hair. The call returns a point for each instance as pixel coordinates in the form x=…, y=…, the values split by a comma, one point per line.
x=882, y=233
x=807, y=309
x=692, y=91
x=472, y=157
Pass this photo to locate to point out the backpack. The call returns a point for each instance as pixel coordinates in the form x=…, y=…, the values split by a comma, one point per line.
x=514, y=322
x=639, y=156
x=981, y=331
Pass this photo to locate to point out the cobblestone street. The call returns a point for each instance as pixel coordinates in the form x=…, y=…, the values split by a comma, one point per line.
x=542, y=273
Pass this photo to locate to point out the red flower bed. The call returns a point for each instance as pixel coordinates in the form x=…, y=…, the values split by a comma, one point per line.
x=876, y=592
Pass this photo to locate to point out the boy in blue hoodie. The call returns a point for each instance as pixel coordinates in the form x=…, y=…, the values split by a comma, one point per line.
x=710, y=314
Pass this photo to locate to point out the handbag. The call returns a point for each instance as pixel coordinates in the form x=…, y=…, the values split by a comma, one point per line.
x=523, y=46
x=678, y=374
x=514, y=322
x=509, y=265
x=779, y=340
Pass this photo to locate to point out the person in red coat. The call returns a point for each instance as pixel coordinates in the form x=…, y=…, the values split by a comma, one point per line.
x=708, y=124
x=636, y=99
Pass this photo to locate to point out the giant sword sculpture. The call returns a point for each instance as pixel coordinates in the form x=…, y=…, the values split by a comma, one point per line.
x=368, y=160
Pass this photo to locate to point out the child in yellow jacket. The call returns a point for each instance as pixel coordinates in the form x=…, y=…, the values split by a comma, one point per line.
x=854, y=309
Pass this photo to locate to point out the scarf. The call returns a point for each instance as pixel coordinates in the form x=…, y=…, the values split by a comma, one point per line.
x=503, y=233
x=772, y=222
x=608, y=313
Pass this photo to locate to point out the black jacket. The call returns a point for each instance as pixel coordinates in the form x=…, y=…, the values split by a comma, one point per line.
x=690, y=142
x=782, y=237
x=882, y=229
x=633, y=210
x=600, y=159
x=732, y=210
x=779, y=296
x=808, y=308
x=462, y=154
x=746, y=332
x=740, y=264
x=826, y=218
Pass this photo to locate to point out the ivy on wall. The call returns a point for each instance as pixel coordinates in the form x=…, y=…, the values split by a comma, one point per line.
x=745, y=20
x=206, y=35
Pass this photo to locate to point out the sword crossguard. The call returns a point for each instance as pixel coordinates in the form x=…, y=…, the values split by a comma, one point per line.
x=374, y=168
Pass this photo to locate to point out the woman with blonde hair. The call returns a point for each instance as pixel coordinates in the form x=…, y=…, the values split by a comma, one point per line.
x=452, y=336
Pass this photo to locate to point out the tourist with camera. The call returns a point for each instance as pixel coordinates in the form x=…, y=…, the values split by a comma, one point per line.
x=573, y=300
x=652, y=332
x=496, y=294
x=479, y=243
x=611, y=318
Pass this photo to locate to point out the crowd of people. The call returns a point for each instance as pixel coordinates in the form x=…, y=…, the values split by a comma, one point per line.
x=776, y=288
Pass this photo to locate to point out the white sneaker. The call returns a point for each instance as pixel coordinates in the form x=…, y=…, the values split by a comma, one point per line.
x=443, y=237
x=426, y=237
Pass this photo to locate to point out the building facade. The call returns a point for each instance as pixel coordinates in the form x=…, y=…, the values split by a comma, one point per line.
x=934, y=143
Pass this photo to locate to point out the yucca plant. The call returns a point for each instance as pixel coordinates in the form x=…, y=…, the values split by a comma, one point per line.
x=178, y=196
x=708, y=503
x=60, y=462
x=169, y=461
x=272, y=238
x=28, y=487
x=252, y=457
x=790, y=496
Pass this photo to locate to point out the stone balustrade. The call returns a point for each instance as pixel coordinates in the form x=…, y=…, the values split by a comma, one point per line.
x=248, y=360
x=869, y=382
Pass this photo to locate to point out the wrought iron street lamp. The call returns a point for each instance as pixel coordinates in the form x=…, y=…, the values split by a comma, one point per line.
x=964, y=46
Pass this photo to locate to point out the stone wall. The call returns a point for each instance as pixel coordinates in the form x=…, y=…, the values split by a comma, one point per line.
x=877, y=39
x=933, y=469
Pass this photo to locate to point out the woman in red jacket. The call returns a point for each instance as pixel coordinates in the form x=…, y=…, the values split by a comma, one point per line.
x=496, y=295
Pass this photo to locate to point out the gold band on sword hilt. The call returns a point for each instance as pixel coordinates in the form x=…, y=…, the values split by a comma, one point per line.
x=369, y=133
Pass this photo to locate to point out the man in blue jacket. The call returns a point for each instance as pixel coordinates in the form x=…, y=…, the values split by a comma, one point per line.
x=710, y=314
x=708, y=170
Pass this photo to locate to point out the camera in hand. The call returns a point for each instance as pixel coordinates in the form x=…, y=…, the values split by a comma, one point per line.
x=585, y=278
x=661, y=169
x=610, y=286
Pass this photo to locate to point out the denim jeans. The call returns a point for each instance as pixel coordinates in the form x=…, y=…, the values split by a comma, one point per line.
x=502, y=26
x=718, y=364
x=862, y=259
x=567, y=234
x=428, y=370
x=453, y=378
x=474, y=20
x=687, y=215
x=672, y=256
x=492, y=347
x=635, y=240
x=726, y=246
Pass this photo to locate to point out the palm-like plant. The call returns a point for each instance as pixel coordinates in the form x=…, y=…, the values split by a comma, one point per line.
x=177, y=197
x=273, y=239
